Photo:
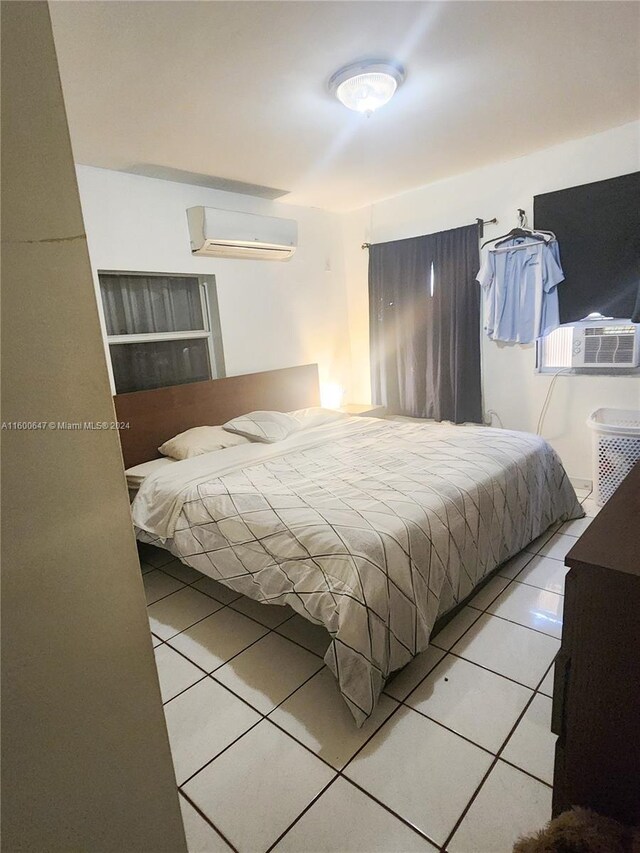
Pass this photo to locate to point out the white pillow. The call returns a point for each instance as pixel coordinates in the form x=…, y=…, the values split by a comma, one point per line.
x=317, y=416
x=264, y=426
x=137, y=473
x=199, y=440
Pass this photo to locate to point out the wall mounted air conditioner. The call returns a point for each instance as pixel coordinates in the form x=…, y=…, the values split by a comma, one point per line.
x=230, y=234
x=593, y=343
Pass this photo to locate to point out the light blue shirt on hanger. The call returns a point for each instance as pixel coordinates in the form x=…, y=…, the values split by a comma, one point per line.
x=520, y=290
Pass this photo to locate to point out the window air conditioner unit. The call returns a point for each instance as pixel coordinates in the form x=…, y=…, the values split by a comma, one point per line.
x=605, y=343
x=230, y=234
x=593, y=343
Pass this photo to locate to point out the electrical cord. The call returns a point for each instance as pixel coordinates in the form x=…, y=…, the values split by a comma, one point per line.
x=547, y=399
x=493, y=412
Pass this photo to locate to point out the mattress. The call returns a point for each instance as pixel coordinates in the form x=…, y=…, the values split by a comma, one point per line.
x=371, y=528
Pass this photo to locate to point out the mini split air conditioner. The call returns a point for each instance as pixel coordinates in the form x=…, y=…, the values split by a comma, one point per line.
x=594, y=343
x=229, y=234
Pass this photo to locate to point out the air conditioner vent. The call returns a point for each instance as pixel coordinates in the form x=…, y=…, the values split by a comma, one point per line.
x=251, y=252
x=609, y=330
x=608, y=348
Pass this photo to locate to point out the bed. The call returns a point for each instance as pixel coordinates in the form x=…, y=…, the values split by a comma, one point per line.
x=374, y=529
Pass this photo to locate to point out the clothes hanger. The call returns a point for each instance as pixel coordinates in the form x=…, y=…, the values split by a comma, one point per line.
x=521, y=231
x=548, y=233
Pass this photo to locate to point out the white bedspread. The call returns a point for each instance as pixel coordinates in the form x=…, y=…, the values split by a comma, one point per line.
x=371, y=528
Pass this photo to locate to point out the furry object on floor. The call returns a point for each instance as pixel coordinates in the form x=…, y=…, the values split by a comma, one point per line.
x=581, y=831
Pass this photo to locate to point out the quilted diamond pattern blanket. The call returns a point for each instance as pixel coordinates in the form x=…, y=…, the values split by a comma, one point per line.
x=371, y=528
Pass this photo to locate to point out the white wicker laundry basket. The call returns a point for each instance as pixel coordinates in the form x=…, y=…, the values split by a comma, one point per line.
x=616, y=448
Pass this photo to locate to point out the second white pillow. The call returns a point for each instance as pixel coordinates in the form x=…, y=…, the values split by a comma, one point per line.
x=199, y=440
x=264, y=426
x=317, y=416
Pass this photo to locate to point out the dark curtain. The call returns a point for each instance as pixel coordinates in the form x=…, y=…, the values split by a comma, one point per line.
x=138, y=304
x=424, y=322
x=598, y=231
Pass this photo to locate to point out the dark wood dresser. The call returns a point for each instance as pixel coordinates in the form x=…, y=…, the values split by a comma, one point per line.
x=596, y=695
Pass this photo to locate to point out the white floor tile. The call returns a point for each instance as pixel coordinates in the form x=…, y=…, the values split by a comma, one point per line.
x=181, y=571
x=453, y=630
x=216, y=590
x=267, y=672
x=313, y=637
x=545, y=573
x=489, y=592
x=318, y=716
x=201, y=838
x=576, y=527
x=581, y=491
x=509, y=805
x=270, y=615
x=508, y=649
x=532, y=745
x=591, y=507
x=155, y=641
x=420, y=770
x=558, y=546
x=511, y=568
x=527, y=605
x=344, y=820
x=406, y=679
x=470, y=700
x=179, y=611
x=257, y=788
x=146, y=567
x=174, y=672
x=547, y=685
x=201, y=722
x=157, y=585
x=212, y=642
x=415, y=766
x=538, y=542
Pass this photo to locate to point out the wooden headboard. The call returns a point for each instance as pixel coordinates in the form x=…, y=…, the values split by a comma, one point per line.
x=156, y=416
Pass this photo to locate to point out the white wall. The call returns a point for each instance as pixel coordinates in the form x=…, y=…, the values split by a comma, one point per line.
x=511, y=386
x=273, y=314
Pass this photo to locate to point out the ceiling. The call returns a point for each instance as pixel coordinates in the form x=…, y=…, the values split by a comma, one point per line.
x=237, y=90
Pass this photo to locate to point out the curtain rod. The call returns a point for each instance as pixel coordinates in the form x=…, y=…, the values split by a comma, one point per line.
x=481, y=224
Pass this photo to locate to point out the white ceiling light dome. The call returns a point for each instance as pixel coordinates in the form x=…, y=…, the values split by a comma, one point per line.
x=366, y=86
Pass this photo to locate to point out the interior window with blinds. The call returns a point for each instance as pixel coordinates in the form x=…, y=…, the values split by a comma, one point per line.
x=161, y=329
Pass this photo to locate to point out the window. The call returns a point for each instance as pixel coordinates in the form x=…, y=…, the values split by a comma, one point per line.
x=161, y=329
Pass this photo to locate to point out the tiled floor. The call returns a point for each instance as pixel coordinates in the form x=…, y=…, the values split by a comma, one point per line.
x=457, y=757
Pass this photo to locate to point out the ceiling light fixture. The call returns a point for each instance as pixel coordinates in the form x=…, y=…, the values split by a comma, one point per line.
x=366, y=86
